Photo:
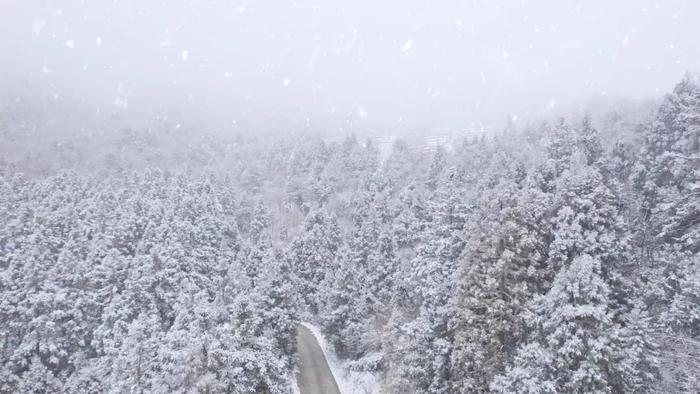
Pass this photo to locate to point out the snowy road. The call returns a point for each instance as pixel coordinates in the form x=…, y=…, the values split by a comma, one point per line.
x=314, y=376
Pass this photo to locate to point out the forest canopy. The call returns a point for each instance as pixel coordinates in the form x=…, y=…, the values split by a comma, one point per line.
x=554, y=258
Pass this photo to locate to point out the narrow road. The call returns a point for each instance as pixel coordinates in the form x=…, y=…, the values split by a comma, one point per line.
x=314, y=376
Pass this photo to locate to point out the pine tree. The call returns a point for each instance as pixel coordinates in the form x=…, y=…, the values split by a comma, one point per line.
x=576, y=338
x=589, y=141
x=313, y=253
x=667, y=181
x=501, y=270
x=560, y=144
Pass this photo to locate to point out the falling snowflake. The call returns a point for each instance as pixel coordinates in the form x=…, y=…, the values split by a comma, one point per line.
x=38, y=26
x=121, y=102
x=362, y=111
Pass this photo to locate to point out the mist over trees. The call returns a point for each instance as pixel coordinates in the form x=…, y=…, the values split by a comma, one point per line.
x=556, y=258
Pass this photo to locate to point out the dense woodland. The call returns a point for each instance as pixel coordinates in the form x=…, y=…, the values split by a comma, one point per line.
x=562, y=257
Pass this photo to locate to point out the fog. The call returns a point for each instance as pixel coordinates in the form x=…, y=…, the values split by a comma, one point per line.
x=384, y=67
x=326, y=197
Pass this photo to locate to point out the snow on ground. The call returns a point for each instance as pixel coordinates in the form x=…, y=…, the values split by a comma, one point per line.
x=349, y=382
x=295, y=385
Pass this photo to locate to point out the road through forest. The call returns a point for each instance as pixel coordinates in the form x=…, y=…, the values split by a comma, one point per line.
x=314, y=376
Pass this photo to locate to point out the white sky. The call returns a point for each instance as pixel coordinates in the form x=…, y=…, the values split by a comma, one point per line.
x=342, y=64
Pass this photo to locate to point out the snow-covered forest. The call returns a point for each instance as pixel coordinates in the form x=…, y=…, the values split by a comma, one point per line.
x=349, y=197
x=561, y=257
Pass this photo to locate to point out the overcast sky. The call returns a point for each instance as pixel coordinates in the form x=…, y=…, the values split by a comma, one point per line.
x=343, y=64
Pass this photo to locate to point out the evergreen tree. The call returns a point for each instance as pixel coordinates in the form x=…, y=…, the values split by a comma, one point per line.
x=502, y=268
x=313, y=254
x=576, y=339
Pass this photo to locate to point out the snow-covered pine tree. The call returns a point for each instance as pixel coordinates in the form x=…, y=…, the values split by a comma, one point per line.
x=667, y=180
x=313, y=253
x=576, y=345
x=500, y=271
